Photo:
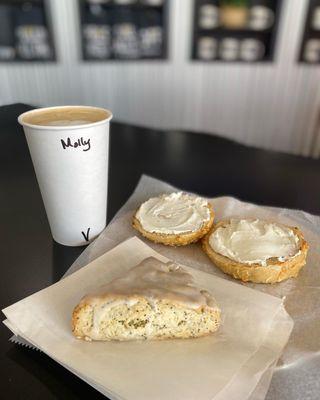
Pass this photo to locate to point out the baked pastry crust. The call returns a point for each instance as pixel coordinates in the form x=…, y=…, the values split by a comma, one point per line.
x=205, y=321
x=151, y=301
x=275, y=270
x=181, y=239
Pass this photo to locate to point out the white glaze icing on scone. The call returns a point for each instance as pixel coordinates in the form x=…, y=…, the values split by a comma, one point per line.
x=254, y=241
x=155, y=280
x=175, y=213
x=153, y=300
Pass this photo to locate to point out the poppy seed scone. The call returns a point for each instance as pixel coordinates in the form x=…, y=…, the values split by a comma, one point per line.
x=151, y=301
x=175, y=219
x=256, y=250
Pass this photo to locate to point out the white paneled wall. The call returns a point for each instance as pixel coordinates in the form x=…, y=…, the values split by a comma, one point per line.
x=273, y=105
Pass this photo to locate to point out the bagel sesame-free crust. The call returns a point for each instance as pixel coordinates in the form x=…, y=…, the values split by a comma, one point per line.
x=181, y=239
x=274, y=271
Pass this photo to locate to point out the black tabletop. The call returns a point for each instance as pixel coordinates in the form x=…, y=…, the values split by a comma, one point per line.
x=30, y=260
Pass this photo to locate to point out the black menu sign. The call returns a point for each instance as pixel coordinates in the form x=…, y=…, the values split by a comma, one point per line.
x=310, y=47
x=7, y=42
x=124, y=29
x=24, y=32
x=235, y=30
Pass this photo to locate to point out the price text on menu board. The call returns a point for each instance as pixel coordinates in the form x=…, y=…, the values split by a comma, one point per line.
x=235, y=30
x=124, y=29
x=24, y=31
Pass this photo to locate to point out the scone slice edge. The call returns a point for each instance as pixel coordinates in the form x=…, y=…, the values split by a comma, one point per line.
x=139, y=318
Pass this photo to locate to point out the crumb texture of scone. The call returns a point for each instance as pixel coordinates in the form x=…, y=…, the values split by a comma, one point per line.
x=153, y=300
x=175, y=219
x=254, y=250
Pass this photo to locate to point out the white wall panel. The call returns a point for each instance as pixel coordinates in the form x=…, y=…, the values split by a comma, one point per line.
x=272, y=105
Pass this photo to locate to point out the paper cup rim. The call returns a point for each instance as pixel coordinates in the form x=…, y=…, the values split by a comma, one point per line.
x=63, y=127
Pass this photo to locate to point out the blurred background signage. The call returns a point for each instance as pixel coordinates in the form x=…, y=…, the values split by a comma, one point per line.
x=235, y=30
x=24, y=31
x=310, y=49
x=123, y=29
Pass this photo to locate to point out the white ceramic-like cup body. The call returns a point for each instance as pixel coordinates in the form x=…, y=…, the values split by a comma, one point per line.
x=71, y=165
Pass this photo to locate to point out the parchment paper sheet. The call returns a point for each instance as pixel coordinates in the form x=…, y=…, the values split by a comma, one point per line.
x=301, y=295
x=227, y=365
x=302, y=299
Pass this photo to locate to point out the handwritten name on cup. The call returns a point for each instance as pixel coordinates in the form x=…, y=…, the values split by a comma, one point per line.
x=85, y=144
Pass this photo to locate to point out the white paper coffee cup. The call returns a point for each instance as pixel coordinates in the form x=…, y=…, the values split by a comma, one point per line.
x=71, y=165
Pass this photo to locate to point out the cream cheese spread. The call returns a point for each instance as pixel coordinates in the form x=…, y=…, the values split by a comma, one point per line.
x=255, y=241
x=173, y=214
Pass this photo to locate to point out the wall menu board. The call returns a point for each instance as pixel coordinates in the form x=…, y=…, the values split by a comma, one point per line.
x=310, y=48
x=24, y=31
x=235, y=30
x=124, y=29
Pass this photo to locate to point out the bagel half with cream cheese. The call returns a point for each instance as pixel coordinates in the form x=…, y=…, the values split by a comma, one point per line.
x=175, y=219
x=256, y=250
